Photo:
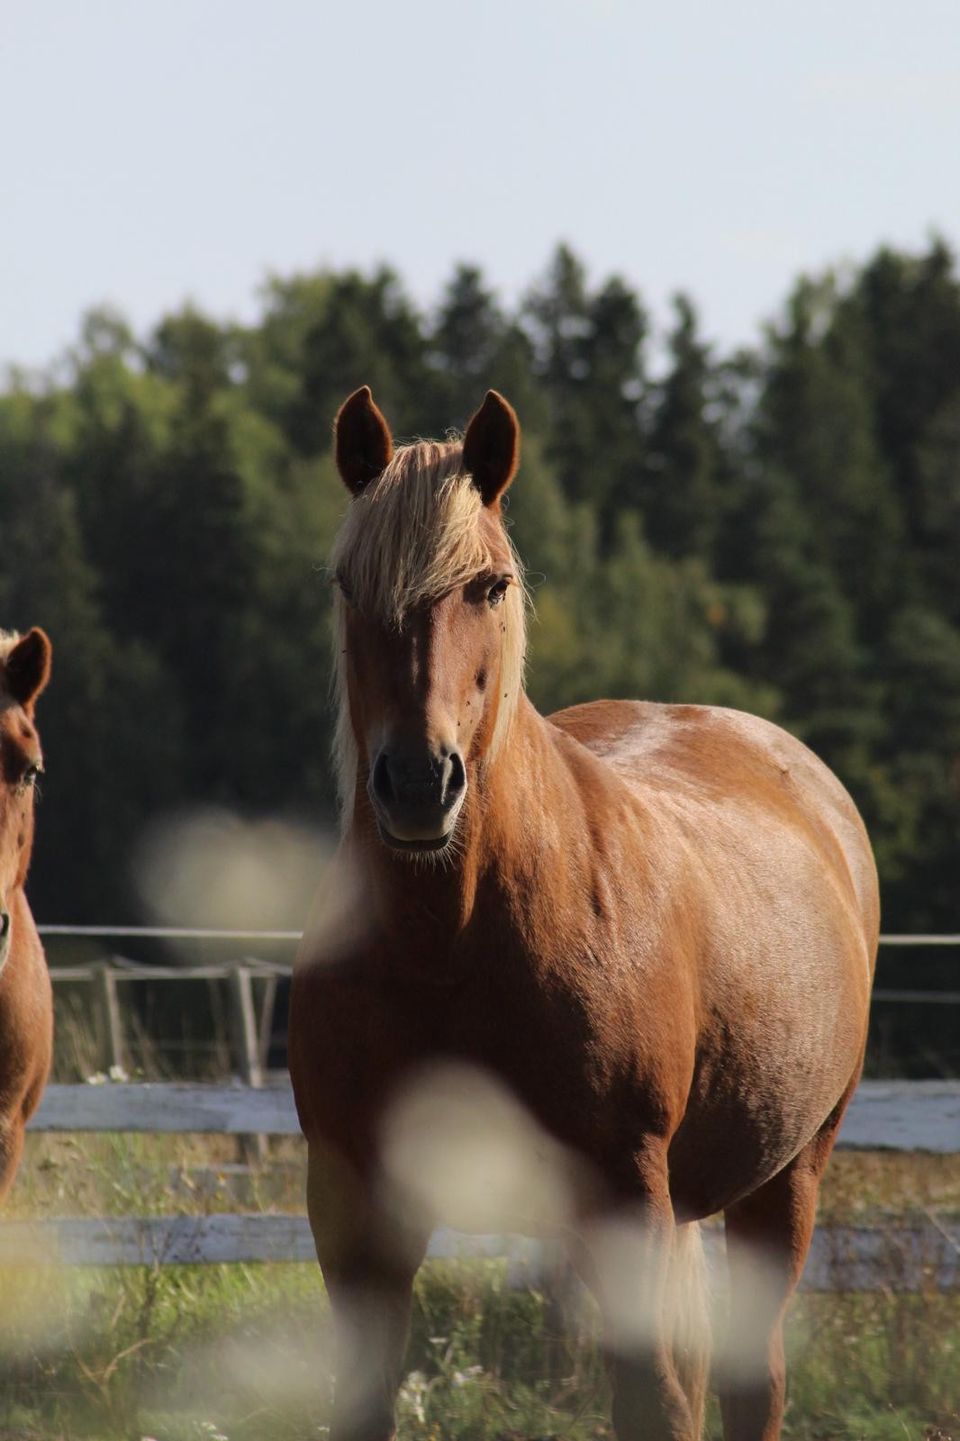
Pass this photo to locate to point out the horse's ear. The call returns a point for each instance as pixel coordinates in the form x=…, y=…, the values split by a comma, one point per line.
x=28, y=667
x=491, y=447
x=361, y=440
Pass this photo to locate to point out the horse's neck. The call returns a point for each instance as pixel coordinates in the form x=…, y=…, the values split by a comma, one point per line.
x=499, y=829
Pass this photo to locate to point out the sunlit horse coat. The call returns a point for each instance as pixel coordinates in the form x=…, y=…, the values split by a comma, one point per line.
x=654, y=924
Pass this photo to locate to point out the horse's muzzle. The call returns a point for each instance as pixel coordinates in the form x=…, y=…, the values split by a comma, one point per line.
x=417, y=797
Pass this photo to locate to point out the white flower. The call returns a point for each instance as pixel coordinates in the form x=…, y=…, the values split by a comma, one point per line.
x=463, y=1378
x=413, y=1394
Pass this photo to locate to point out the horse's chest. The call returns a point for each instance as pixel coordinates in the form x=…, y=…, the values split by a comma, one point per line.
x=568, y=1050
x=566, y=1054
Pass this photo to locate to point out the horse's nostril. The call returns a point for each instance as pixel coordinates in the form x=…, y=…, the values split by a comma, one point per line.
x=4, y=925
x=457, y=778
x=382, y=787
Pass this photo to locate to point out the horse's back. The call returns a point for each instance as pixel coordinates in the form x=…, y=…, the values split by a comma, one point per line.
x=700, y=760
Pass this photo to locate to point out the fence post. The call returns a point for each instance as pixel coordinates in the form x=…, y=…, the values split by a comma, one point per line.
x=268, y=1001
x=246, y=1049
x=246, y=1042
x=106, y=990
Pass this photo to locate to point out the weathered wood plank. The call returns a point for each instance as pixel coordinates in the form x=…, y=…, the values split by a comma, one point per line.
x=156, y=1240
x=168, y=1106
x=884, y=1115
x=859, y=1258
x=842, y=1258
x=903, y=1116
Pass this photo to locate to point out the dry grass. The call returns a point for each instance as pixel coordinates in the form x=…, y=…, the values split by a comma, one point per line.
x=861, y=1184
x=114, y=1175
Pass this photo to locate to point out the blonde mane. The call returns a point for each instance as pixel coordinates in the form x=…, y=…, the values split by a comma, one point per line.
x=409, y=538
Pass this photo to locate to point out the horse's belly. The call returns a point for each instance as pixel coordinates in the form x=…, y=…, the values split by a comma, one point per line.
x=736, y=1136
x=784, y=1006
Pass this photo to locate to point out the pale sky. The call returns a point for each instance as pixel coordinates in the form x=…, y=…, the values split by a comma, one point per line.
x=155, y=152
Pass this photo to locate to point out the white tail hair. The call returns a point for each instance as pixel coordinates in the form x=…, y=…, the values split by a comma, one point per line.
x=688, y=1318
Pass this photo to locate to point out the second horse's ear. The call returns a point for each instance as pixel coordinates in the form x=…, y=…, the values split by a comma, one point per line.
x=27, y=667
x=362, y=442
x=491, y=447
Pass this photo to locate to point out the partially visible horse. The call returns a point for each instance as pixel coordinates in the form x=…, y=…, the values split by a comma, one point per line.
x=26, y=1001
x=654, y=925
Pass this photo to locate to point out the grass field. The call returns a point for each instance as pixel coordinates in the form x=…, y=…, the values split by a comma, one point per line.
x=234, y=1353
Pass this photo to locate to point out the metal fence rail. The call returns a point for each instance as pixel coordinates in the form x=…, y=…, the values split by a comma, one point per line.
x=251, y=1015
x=208, y=933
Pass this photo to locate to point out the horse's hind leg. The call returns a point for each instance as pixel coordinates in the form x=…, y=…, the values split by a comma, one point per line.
x=768, y=1236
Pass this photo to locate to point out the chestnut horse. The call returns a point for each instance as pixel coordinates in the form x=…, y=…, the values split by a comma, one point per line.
x=26, y=1001
x=654, y=925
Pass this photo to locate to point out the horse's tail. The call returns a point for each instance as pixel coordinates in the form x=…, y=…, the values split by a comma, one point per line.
x=688, y=1318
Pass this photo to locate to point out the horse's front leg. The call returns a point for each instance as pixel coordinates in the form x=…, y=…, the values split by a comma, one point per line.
x=11, y=1150
x=368, y=1269
x=647, y=1274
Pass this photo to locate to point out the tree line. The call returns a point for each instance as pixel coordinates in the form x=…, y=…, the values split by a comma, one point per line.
x=776, y=529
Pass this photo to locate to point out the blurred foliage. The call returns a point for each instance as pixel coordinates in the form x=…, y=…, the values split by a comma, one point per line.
x=777, y=530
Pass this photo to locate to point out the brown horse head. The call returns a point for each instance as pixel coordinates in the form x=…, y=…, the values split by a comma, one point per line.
x=24, y=671
x=430, y=617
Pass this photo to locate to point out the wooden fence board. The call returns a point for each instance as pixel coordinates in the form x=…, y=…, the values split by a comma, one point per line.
x=903, y=1116
x=842, y=1258
x=156, y=1240
x=919, y=1115
x=168, y=1106
x=860, y=1258
x=884, y=1115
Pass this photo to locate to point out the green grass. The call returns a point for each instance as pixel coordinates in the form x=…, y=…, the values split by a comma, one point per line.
x=193, y=1353
x=242, y=1352
x=877, y=1367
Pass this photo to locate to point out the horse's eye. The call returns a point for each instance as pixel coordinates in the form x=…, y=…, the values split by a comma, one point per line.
x=498, y=590
x=31, y=775
x=345, y=590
